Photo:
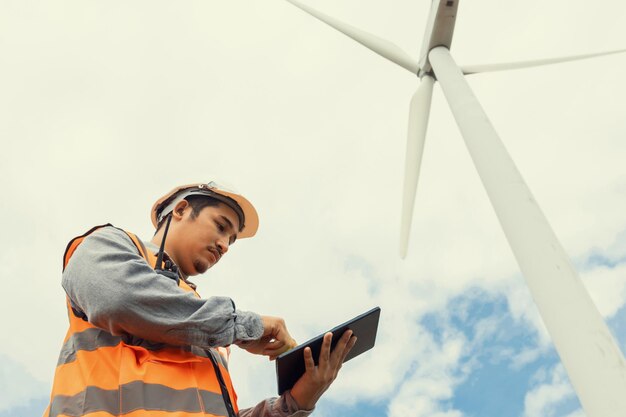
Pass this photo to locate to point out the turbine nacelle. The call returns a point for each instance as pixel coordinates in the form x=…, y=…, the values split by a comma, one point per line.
x=439, y=30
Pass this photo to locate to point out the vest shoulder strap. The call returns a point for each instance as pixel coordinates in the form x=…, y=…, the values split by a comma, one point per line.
x=73, y=244
x=141, y=248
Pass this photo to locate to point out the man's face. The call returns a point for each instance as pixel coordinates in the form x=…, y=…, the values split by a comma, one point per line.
x=196, y=244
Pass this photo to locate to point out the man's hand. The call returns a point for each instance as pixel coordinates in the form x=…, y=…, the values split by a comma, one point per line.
x=316, y=379
x=275, y=340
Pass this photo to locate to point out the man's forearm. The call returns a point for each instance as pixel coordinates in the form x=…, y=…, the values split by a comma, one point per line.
x=119, y=292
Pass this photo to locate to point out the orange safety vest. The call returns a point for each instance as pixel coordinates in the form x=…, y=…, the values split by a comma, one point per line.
x=99, y=375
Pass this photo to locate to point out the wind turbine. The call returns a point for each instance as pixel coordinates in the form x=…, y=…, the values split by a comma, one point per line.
x=593, y=360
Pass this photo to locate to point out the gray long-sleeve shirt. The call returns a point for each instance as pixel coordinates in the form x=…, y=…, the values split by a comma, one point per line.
x=109, y=281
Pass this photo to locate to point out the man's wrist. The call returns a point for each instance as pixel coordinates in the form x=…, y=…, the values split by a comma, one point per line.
x=294, y=405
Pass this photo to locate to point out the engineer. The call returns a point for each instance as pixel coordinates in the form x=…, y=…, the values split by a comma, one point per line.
x=141, y=341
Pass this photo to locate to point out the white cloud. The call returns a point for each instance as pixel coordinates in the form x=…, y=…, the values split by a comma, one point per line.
x=527, y=356
x=523, y=309
x=543, y=399
x=430, y=385
x=18, y=387
x=577, y=413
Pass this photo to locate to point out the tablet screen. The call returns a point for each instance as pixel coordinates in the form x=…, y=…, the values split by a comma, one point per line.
x=290, y=365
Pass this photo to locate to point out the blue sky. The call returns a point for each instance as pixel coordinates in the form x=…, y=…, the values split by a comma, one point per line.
x=106, y=106
x=492, y=382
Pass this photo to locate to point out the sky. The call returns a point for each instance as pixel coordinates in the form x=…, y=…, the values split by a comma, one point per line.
x=105, y=106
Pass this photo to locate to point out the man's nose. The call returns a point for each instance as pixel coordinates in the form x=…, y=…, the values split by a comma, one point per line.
x=222, y=246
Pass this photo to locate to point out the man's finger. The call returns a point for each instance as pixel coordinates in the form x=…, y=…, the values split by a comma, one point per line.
x=275, y=344
x=348, y=348
x=273, y=353
x=340, y=347
x=325, y=351
x=309, y=363
x=275, y=328
x=290, y=343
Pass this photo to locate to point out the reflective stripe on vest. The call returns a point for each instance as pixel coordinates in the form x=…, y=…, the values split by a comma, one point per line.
x=101, y=374
x=137, y=396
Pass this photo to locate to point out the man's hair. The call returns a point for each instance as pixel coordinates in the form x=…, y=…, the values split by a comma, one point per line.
x=197, y=203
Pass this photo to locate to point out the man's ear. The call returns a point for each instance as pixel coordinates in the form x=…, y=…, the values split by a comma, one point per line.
x=179, y=209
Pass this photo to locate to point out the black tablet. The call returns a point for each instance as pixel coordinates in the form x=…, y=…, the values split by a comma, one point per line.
x=290, y=365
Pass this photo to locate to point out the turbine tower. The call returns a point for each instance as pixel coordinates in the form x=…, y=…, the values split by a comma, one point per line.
x=593, y=360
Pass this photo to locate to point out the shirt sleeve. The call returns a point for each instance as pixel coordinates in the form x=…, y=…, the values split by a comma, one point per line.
x=283, y=406
x=112, y=284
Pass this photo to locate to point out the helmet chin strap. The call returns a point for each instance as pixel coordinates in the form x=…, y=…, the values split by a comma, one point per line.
x=159, y=261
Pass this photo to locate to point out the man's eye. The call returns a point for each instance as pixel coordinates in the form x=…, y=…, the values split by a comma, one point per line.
x=221, y=227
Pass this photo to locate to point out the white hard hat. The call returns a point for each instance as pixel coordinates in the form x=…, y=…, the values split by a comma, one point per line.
x=248, y=217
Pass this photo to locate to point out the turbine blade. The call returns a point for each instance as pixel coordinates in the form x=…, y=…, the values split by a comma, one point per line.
x=475, y=69
x=587, y=350
x=382, y=47
x=419, y=111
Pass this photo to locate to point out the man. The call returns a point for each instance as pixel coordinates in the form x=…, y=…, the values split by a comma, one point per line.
x=141, y=341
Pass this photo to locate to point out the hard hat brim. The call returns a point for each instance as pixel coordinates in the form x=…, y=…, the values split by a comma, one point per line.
x=251, y=218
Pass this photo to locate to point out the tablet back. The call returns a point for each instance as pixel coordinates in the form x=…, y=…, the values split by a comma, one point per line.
x=290, y=365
